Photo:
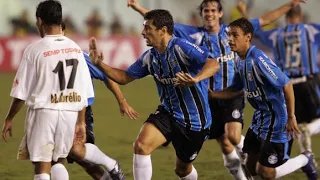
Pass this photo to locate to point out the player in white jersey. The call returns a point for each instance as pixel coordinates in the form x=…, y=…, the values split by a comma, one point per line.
x=53, y=80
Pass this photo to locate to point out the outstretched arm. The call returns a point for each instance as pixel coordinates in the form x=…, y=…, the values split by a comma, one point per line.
x=117, y=75
x=274, y=15
x=209, y=69
x=125, y=108
x=137, y=7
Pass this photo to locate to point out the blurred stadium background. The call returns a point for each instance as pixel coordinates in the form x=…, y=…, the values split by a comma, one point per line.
x=118, y=30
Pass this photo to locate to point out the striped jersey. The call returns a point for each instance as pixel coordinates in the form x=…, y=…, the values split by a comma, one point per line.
x=263, y=83
x=295, y=48
x=95, y=73
x=188, y=105
x=217, y=44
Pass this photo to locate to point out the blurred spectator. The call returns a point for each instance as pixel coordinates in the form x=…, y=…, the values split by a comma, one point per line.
x=21, y=25
x=194, y=20
x=116, y=27
x=235, y=13
x=133, y=31
x=94, y=24
x=70, y=26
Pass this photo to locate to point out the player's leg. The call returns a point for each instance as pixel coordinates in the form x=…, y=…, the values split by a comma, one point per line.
x=40, y=140
x=314, y=127
x=252, y=148
x=274, y=161
x=221, y=112
x=58, y=170
x=90, y=157
x=153, y=133
x=187, y=145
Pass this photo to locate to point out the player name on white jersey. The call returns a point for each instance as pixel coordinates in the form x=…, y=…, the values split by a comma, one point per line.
x=61, y=98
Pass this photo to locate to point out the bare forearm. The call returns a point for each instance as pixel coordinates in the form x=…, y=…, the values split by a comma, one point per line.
x=115, y=89
x=140, y=10
x=15, y=107
x=274, y=15
x=209, y=69
x=289, y=97
x=117, y=75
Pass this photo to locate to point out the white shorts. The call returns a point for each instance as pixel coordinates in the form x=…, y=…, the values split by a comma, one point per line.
x=48, y=135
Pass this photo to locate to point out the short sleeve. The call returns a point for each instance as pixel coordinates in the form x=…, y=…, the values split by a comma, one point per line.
x=192, y=52
x=271, y=72
x=256, y=24
x=25, y=79
x=139, y=69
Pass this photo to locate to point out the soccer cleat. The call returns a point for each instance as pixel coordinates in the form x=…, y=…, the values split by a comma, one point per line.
x=311, y=168
x=116, y=173
x=304, y=138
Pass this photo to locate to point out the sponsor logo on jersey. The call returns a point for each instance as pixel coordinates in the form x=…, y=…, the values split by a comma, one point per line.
x=61, y=98
x=226, y=58
x=195, y=46
x=268, y=68
x=166, y=81
x=253, y=94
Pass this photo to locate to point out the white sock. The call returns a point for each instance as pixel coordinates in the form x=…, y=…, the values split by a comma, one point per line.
x=95, y=156
x=42, y=177
x=192, y=176
x=291, y=165
x=142, y=167
x=233, y=163
x=59, y=172
x=314, y=127
x=240, y=145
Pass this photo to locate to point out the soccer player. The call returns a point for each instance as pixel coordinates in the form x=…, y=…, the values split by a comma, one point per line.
x=227, y=115
x=54, y=81
x=89, y=152
x=183, y=117
x=295, y=48
x=269, y=91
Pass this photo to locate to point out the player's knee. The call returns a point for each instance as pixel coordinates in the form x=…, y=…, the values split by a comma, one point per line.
x=225, y=145
x=181, y=171
x=234, y=137
x=78, y=151
x=265, y=174
x=142, y=148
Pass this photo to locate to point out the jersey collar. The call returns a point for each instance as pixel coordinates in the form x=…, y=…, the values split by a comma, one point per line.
x=249, y=51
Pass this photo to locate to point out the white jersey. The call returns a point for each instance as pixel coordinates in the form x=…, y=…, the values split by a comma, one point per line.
x=53, y=74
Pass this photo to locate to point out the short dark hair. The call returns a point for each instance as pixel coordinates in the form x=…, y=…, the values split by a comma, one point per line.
x=160, y=19
x=244, y=24
x=293, y=12
x=50, y=12
x=205, y=2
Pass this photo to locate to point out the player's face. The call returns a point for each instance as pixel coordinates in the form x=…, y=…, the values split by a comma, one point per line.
x=238, y=41
x=210, y=14
x=40, y=27
x=151, y=33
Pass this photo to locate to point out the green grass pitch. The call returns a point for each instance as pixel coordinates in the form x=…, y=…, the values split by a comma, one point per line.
x=115, y=136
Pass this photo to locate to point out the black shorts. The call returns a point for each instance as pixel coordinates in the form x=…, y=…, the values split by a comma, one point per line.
x=270, y=154
x=89, y=130
x=307, y=99
x=224, y=111
x=187, y=143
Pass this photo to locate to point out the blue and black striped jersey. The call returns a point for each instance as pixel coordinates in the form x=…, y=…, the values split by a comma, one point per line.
x=94, y=72
x=217, y=44
x=189, y=105
x=263, y=83
x=295, y=48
